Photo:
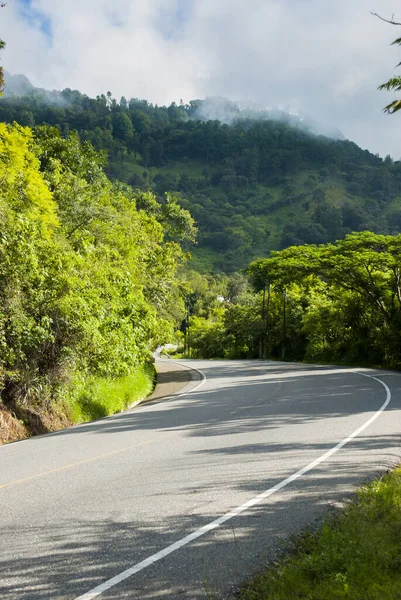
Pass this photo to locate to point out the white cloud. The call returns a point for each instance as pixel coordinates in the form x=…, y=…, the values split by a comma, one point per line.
x=323, y=57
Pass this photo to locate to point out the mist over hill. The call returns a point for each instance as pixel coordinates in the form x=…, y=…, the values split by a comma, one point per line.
x=255, y=179
x=17, y=85
x=228, y=112
x=209, y=109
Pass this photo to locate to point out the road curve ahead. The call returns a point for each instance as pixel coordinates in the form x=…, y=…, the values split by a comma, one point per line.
x=184, y=498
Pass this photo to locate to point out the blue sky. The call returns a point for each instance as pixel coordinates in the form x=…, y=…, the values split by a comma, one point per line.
x=36, y=19
x=172, y=19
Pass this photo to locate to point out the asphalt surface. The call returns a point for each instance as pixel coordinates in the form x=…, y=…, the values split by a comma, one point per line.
x=80, y=507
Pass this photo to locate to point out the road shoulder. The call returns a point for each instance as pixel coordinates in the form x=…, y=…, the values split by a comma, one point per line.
x=173, y=378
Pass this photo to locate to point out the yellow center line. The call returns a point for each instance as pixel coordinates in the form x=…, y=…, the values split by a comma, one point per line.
x=70, y=466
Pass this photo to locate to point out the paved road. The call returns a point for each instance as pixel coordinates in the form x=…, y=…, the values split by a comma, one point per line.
x=80, y=507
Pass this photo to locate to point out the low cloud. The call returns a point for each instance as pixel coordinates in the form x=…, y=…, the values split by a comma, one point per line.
x=322, y=58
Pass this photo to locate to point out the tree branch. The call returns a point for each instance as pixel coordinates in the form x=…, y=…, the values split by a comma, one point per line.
x=397, y=280
x=391, y=21
x=81, y=224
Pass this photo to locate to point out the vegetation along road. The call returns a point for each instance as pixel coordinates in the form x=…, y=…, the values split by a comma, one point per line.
x=186, y=497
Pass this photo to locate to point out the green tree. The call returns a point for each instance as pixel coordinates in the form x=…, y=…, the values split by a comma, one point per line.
x=122, y=127
x=363, y=271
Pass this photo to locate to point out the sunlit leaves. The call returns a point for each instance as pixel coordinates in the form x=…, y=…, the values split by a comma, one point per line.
x=21, y=183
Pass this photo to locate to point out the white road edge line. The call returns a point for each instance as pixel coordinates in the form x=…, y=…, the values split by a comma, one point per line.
x=98, y=590
x=203, y=379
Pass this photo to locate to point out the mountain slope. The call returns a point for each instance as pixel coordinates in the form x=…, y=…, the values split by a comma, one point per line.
x=253, y=185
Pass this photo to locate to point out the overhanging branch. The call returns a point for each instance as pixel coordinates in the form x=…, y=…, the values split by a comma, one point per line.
x=391, y=21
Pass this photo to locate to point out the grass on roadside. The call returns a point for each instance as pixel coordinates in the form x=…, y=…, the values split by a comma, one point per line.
x=354, y=556
x=86, y=399
x=97, y=398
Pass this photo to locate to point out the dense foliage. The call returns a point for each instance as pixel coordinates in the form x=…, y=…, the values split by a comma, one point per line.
x=253, y=185
x=334, y=302
x=87, y=269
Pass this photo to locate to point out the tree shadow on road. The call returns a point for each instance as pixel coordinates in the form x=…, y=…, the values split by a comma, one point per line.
x=70, y=558
x=67, y=559
x=266, y=403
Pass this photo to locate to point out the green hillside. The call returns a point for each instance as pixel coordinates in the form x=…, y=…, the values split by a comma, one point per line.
x=256, y=184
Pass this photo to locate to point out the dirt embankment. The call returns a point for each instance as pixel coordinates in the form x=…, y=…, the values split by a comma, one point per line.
x=19, y=422
x=11, y=429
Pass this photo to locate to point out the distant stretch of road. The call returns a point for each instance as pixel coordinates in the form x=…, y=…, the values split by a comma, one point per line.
x=185, y=497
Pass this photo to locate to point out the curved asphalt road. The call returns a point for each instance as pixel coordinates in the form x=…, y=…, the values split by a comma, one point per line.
x=80, y=507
